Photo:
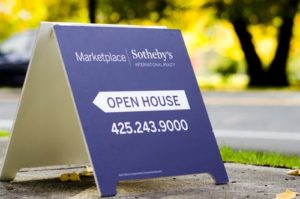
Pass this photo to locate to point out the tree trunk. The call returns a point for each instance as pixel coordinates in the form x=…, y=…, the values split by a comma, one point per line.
x=92, y=4
x=254, y=66
x=277, y=71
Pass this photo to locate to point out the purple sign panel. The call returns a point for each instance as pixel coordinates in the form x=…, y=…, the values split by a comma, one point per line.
x=139, y=104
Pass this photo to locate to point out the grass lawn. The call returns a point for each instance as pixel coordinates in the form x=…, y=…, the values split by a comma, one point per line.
x=260, y=158
x=4, y=133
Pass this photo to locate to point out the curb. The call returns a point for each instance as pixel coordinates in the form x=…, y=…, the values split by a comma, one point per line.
x=6, y=125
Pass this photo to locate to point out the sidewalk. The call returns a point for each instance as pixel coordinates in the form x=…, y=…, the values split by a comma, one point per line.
x=245, y=182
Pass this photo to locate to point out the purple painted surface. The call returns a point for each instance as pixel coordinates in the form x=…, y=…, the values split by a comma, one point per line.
x=121, y=145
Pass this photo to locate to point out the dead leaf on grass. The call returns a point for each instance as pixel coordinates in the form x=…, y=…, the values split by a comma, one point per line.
x=288, y=194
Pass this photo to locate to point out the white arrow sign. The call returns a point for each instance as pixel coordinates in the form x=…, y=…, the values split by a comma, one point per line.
x=136, y=101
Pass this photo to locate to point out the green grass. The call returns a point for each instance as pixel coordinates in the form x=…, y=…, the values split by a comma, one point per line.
x=260, y=158
x=4, y=133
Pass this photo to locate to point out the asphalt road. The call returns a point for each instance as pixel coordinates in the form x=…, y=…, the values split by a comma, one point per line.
x=263, y=120
x=256, y=120
x=254, y=111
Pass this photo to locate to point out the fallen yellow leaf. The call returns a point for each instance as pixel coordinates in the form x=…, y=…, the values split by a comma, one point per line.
x=88, y=172
x=89, y=168
x=295, y=172
x=288, y=194
x=73, y=177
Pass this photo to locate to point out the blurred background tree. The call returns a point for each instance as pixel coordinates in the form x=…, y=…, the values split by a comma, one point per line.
x=18, y=15
x=222, y=36
x=240, y=13
x=244, y=13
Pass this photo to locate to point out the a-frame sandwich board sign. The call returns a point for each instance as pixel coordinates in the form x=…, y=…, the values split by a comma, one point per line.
x=123, y=99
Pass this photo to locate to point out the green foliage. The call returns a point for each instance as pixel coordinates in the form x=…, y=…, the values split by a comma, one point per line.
x=294, y=71
x=67, y=10
x=114, y=11
x=226, y=67
x=4, y=134
x=19, y=15
x=260, y=158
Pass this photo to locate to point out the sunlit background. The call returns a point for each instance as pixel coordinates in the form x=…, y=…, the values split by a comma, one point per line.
x=217, y=55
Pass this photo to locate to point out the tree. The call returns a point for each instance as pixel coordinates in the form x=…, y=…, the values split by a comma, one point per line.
x=242, y=14
x=92, y=4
